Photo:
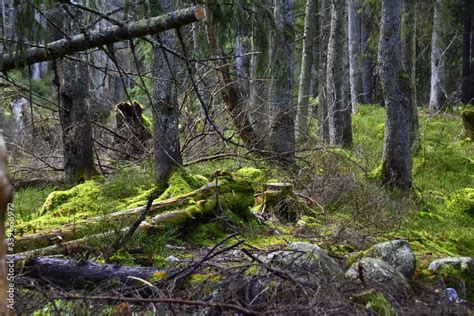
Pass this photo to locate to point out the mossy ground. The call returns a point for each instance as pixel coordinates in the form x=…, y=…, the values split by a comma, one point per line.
x=438, y=219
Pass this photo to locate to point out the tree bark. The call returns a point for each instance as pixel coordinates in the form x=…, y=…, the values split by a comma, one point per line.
x=438, y=60
x=6, y=191
x=283, y=112
x=74, y=111
x=323, y=128
x=72, y=274
x=466, y=56
x=396, y=159
x=81, y=42
x=355, y=58
x=304, y=90
x=409, y=62
x=165, y=107
x=366, y=54
x=338, y=90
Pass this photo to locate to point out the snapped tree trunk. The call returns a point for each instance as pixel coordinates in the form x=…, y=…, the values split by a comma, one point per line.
x=438, y=60
x=355, y=67
x=409, y=62
x=323, y=119
x=6, y=190
x=396, y=159
x=74, y=110
x=283, y=112
x=165, y=106
x=337, y=83
x=366, y=53
x=304, y=90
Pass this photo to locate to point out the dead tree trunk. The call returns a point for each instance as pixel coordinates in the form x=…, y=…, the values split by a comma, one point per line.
x=68, y=273
x=81, y=42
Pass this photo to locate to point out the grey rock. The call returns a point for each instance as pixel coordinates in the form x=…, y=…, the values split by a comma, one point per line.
x=380, y=274
x=465, y=264
x=304, y=259
x=397, y=253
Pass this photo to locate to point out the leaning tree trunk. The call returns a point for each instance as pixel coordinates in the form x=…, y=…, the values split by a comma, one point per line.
x=396, y=160
x=74, y=111
x=366, y=54
x=355, y=67
x=165, y=110
x=337, y=83
x=466, y=56
x=283, y=124
x=438, y=60
x=5, y=198
x=409, y=62
x=323, y=127
x=309, y=42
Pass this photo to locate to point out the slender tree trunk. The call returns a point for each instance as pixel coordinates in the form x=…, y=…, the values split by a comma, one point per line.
x=283, y=125
x=5, y=198
x=74, y=110
x=165, y=112
x=366, y=54
x=396, y=159
x=409, y=61
x=338, y=90
x=354, y=33
x=323, y=128
x=438, y=60
x=304, y=90
x=466, y=56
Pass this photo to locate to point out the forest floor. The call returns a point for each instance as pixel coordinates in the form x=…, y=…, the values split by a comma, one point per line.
x=337, y=204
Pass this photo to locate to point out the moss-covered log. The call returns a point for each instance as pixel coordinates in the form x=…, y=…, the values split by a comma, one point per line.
x=233, y=195
x=68, y=273
x=468, y=122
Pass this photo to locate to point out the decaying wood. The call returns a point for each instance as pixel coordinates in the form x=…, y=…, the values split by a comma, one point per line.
x=69, y=273
x=275, y=199
x=5, y=198
x=79, y=229
x=93, y=39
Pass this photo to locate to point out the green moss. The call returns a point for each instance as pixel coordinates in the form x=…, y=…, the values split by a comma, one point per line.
x=122, y=257
x=158, y=276
x=374, y=301
x=198, y=279
x=461, y=202
x=182, y=182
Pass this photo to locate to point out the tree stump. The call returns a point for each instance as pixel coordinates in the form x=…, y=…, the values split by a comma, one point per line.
x=130, y=124
x=275, y=201
x=468, y=122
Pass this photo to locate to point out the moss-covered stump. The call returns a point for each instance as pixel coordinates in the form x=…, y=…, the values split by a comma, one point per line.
x=468, y=122
x=275, y=201
x=230, y=196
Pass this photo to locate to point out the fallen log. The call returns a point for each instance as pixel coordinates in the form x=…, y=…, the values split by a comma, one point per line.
x=116, y=33
x=202, y=205
x=68, y=273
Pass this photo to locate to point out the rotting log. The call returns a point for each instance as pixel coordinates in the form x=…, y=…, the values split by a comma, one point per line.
x=5, y=199
x=183, y=210
x=274, y=200
x=68, y=273
x=116, y=33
